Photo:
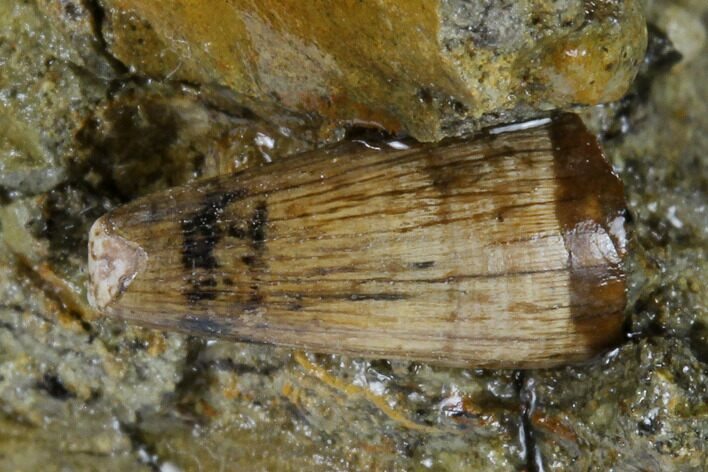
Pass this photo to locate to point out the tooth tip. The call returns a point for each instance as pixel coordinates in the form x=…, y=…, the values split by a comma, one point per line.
x=113, y=263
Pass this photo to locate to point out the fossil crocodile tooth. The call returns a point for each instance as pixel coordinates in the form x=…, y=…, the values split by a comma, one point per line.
x=502, y=251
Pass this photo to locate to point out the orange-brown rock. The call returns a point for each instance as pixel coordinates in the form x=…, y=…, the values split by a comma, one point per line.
x=433, y=68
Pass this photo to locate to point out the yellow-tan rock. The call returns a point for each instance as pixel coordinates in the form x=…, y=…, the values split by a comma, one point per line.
x=433, y=68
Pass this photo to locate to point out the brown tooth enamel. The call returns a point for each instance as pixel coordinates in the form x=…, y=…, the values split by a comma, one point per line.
x=502, y=251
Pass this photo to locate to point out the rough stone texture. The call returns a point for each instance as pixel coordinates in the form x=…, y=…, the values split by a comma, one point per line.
x=42, y=99
x=78, y=392
x=432, y=68
x=642, y=408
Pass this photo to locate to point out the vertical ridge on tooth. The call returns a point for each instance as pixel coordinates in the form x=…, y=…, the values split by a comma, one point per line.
x=113, y=263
